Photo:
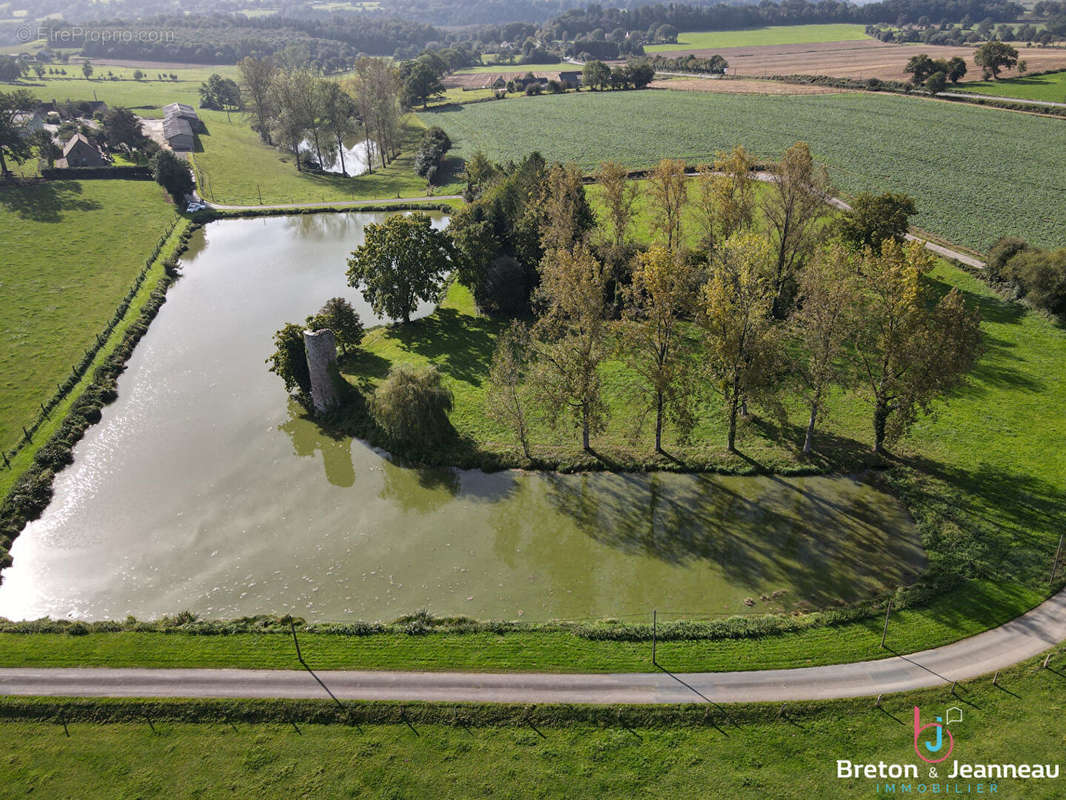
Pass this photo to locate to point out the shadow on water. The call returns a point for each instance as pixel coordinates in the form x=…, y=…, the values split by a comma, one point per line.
x=827, y=540
x=46, y=202
x=308, y=438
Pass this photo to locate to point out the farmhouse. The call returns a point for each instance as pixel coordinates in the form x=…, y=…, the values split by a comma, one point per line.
x=571, y=79
x=80, y=152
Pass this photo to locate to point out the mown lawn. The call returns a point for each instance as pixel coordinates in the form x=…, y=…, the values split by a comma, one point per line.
x=72, y=249
x=756, y=37
x=736, y=752
x=235, y=167
x=1050, y=87
x=953, y=159
x=947, y=619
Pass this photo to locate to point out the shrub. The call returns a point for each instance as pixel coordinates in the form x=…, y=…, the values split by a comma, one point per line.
x=289, y=359
x=412, y=406
x=339, y=316
x=1041, y=276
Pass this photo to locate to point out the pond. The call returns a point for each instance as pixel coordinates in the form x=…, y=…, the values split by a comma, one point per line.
x=204, y=488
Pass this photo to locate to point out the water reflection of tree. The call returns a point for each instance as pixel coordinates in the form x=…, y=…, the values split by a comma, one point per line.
x=422, y=490
x=776, y=534
x=307, y=438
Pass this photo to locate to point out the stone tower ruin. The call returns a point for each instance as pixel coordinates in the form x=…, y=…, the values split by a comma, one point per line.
x=321, y=348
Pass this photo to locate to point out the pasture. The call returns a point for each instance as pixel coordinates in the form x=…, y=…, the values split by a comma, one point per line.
x=1049, y=88
x=956, y=161
x=71, y=252
x=759, y=37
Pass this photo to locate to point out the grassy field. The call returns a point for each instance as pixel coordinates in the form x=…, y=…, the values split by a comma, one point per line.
x=72, y=249
x=147, y=96
x=742, y=752
x=758, y=37
x=235, y=167
x=1049, y=88
x=870, y=142
x=947, y=619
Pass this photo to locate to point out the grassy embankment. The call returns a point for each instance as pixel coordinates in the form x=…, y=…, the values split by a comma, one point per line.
x=758, y=37
x=946, y=619
x=72, y=250
x=870, y=142
x=1049, y=88
x=746, y=752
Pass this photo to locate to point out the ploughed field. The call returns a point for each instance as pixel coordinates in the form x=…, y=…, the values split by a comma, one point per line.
x=975, y=173
x=856, y=59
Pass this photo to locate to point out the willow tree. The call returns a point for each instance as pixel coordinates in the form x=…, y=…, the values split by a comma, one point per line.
x=910, y=350
x=738, y=331
x=654, y=344
x=571, y=338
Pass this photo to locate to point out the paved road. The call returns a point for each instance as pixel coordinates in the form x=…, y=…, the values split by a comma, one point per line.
x=1018, y=640
x=965, y=96
x=381, y=201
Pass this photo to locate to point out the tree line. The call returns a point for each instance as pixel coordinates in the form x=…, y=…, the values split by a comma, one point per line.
x=769, y=303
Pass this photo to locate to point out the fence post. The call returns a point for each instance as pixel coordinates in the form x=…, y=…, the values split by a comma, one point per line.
x=884, y=635
x=654, y=635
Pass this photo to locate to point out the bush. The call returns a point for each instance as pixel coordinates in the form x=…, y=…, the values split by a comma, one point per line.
x=412, y=406
x=339, y=316
x=1041, y=277
x=289, y=359
x=435, y=143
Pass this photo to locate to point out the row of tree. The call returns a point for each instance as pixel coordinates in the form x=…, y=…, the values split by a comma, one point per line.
x=297, y=108
x=774, y=303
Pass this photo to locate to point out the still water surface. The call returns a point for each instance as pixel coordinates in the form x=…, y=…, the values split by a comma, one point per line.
x=204, y=488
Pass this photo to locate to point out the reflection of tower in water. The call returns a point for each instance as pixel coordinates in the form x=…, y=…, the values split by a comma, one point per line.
x=307, y=439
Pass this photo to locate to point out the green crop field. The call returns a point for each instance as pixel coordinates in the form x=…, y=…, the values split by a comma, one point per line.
x=1049, y=88
x=976, y=173
x=743, y=752
x=71, y=252
x=755, y=37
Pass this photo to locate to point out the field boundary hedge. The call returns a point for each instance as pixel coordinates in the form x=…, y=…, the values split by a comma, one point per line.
x=32, y=491
x=129, y=173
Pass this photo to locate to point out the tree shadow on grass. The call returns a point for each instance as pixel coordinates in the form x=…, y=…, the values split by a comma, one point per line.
x=47, y=201
x=993, y=309
x=461, y=346
x=363, y=368
x=986, y=521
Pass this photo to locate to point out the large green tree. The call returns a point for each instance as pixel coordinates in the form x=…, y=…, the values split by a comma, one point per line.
x=875, y=218
x=173, y=174
x=338, y=315
x=14, y=141
x=122, y=128
x=420, y=83
x=994, y=56
x=909, y=348
x=401, y=262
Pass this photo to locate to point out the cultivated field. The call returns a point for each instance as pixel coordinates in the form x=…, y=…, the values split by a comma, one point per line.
x=859, y=59
x=772, y=35
x=954, y=160
x=71, y=252
x=1049, y=88
x=740, y=86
